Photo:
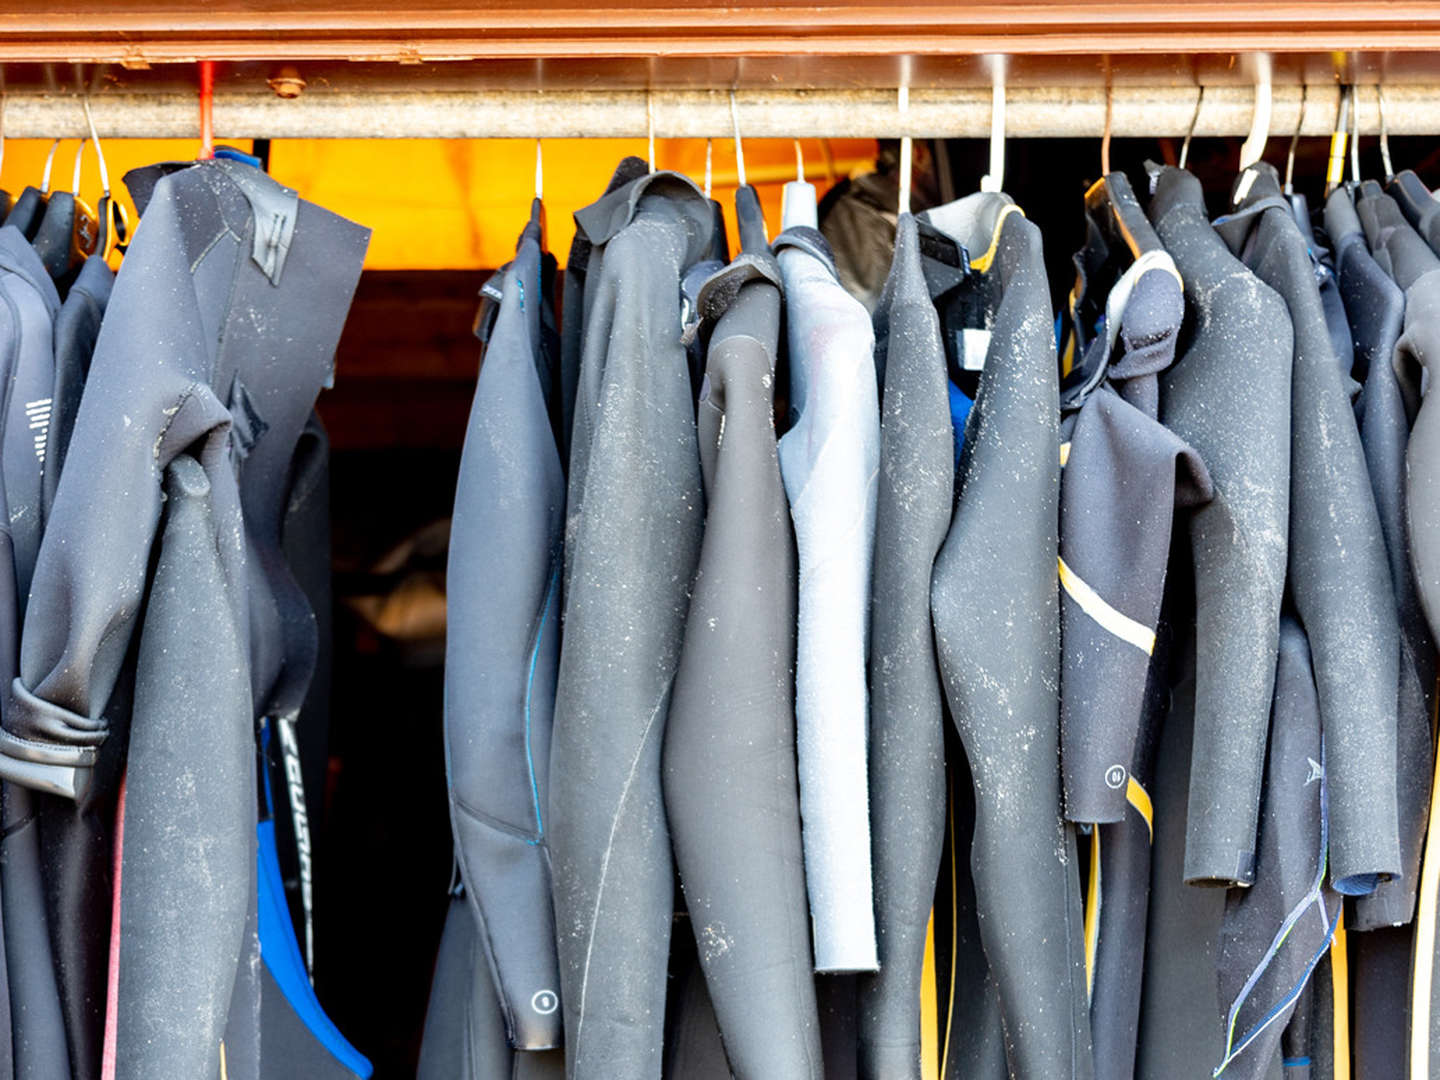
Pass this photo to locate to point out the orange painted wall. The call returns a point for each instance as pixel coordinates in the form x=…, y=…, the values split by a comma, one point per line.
x=453, y=204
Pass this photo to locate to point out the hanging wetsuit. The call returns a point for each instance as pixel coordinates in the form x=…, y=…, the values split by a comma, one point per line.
x=34, y=1014
x=1380, y=956
x=503, y=646
x=828, y=460
x=729, y=757
x=1415, y=268
x=907, y=738
x=994, y=598
x=215, y=267
x=635, y=511
x=1338, y=571
x=1123, y=475
x=1234, y=375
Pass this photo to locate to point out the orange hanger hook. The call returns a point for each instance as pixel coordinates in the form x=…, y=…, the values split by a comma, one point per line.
x=207, y=110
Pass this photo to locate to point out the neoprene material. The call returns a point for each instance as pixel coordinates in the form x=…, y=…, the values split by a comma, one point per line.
x=997, y=626
x=1181, y=1033
x=1375, y=307
x=1276, y=932
x=573, y=311
x=76, y=328
x=188, y=860
x=635, y=511
x=1416, y=269
x=907, y=737
x=729, y=755
x=1418, y=206
x=194, y=283
x=1339, y=575
x=36, y=1022
x=502, y=649
x=1226, y=398
x=828, y=461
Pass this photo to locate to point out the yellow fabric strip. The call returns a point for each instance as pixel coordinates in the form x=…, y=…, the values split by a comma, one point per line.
x=982, y=264
x=1092, y=911
x=1335, y=170
x=954, y=940
x=1423, y=974
x=1340, y=980
x=1139, y=798
x=929, y=1009
x=1094, y=605
x=1064, y=454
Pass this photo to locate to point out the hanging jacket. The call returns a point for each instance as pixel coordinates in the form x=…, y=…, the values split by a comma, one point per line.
x=1338, y=571
x=994, y=599
x=1375, y=306
x=907, y=738
x=828, y=460
x=729, y=755
x=634, y=516
x=502, y=649
x=1233, y=375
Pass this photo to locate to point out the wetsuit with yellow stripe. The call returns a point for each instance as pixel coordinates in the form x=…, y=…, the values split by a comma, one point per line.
x=1123, y=475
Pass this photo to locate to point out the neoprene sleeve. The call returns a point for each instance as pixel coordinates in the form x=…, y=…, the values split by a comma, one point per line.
x=1227, y=397
x=502, y=648
x=1338, y=572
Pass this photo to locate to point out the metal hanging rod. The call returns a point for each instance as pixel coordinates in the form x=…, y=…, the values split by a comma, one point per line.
x=1078, y=111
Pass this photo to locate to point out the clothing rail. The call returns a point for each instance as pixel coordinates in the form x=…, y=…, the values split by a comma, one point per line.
x=1080, y=111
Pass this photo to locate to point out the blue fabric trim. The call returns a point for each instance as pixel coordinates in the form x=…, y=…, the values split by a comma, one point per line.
x=1296, y=1063
x=529, y=686
x=281, y=954
x=959, y=410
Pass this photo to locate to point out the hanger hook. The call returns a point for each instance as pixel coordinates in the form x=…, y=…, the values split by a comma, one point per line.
x=1384, y=135
x=709, y=148
x=99, y=150
x=739, y=148
x=207, y=109
x=907, y=147
x=1253, y=148
x=799, y=162
x=1194, y=119
x=1295, y=141
x=1105, y=135
x=539, y=171
x=49, y=164
x=1355, y=133
x=650, y=124
x=2, y=129
x=1335, y=168
x=994, y=180
x=75, y=168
